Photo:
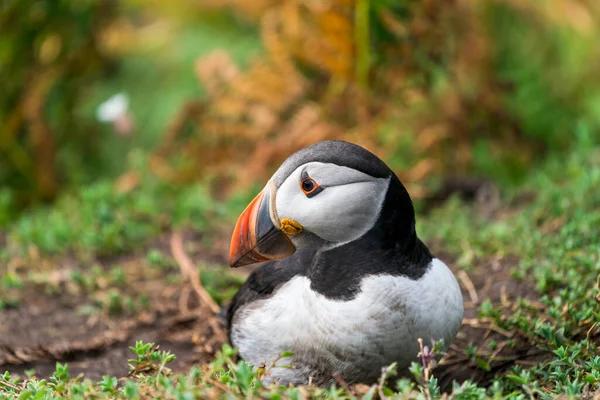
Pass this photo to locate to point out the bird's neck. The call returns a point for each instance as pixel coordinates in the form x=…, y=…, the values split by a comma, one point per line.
x=390, y=247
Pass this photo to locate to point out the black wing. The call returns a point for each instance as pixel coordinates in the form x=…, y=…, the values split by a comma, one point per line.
x=263, y=281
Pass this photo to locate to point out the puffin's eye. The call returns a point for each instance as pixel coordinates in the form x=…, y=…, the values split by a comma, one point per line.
x=309, y=186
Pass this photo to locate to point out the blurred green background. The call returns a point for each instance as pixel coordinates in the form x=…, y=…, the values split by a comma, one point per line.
x=126, y=102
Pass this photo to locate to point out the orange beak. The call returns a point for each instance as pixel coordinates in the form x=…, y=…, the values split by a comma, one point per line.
x=255, y=237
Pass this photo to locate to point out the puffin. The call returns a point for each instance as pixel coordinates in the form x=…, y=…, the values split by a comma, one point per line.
x=345, y=286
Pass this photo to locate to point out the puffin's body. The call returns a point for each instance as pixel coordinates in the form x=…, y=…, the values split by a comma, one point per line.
x=351, y=288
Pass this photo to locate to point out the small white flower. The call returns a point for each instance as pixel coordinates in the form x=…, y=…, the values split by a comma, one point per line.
x=113, y=109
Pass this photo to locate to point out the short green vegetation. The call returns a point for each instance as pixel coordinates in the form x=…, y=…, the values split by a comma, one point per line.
x=550, y=237
x=99, y=219
x=504, y=90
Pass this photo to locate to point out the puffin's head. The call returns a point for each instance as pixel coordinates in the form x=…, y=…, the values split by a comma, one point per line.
x=325, y=195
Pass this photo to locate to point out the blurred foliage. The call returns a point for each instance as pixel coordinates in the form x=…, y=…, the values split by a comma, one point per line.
x=104, y=219
x=435, y=87
x=67, y=57
x=49, y=53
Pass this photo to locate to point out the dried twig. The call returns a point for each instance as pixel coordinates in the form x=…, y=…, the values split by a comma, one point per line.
x=475, y=323
x=498, y=350
x=9, y=385
x=221, y=386
x=338, y=378
x=468, y=284
x=525, y=362
x=267, y=371
x=446, y=361
x=504, y=297
x=589, y=333
x=190, y=272
x=184, y=297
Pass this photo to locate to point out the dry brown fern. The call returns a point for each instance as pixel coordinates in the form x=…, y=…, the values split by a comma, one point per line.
x=253, y=120
x=316, y=81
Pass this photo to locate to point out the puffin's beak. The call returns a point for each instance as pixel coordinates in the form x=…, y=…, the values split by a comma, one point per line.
x=255, y=237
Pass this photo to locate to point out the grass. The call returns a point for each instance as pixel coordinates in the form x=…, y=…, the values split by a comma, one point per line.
x=552, y=237
x=98, y=219
x=557, y=243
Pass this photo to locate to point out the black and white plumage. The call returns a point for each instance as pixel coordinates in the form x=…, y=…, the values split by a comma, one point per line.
x=351, y=287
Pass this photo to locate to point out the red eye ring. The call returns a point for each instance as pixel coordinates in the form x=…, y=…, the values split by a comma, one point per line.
x=310, y=187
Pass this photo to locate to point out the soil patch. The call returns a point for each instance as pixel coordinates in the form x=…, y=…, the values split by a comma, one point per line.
x=34, y=337
x=91, y=328
x=49, y=328
x=490, y=280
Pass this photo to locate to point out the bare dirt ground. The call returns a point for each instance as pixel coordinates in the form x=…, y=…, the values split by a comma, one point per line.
x=490, y=280
x=54, y=327
x=46, y=328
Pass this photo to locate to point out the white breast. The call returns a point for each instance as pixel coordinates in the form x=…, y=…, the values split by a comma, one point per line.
x=355, y=338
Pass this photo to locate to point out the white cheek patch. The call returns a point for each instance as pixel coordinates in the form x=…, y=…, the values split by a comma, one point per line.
x=345, y=210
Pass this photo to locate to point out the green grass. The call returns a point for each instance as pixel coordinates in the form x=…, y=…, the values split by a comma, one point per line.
x=554, y=237
x=557, y=242
x=98, y=219
x=223, y=378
